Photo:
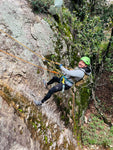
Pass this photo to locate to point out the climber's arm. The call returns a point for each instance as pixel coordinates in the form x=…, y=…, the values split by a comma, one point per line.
x=73, y=73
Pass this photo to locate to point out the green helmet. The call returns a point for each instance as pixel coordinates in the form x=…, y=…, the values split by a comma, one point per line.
x=86, y=60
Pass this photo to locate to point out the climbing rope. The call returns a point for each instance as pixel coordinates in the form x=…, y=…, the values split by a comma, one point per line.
x=73, y=90
x=28, y=62
x=43, y=58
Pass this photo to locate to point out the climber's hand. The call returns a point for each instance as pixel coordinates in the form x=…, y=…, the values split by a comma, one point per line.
x=60, y=65
x=57, y=65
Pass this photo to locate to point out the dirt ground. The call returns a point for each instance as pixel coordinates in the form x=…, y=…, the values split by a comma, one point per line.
x=104, y=94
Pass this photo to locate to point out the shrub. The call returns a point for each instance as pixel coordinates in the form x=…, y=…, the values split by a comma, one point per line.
x=41, y=5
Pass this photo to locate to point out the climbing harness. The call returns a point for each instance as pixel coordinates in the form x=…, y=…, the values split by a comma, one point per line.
x=77, y=84
x=63, y=84
x=62, y=80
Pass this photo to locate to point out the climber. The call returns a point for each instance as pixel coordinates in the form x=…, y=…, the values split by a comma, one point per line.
x=70, y=77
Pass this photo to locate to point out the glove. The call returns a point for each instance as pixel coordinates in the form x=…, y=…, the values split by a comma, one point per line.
x=60, y=65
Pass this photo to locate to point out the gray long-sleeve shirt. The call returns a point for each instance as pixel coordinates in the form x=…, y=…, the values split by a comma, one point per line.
x=73, y=75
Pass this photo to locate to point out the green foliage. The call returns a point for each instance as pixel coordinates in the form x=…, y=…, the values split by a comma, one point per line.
x=90, y=35
x=46, y=139
x=96, y=6
x=107, y=16
x=102, y=9
x=20, y=110
x=111, y=130
x=109, y=65
x=34, y=125
x=41, y=5
x=81, y=37
x=84, y=96
x=108, y=61
x=96, y=132
x=38, y=71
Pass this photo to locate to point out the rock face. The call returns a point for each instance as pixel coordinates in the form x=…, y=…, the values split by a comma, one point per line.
x=18, y=20
x=14, y=134
x=20, y=120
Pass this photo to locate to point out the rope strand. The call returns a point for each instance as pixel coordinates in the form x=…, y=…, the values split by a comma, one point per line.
x=28, y=62
x=43, y=58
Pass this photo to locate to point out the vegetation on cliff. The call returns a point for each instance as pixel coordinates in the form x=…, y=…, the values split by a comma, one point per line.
x=86, y=28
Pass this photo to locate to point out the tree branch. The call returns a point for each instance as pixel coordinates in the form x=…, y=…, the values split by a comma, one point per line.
x=106, y=52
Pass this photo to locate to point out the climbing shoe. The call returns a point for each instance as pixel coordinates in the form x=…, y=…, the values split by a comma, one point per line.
x=38, y=103
x=45, y=84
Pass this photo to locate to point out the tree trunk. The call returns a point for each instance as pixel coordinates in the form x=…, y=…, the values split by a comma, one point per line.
x=106, y=53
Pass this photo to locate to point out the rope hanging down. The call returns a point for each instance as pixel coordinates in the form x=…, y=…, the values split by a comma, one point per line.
x=28, y=62
x=43, y=58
